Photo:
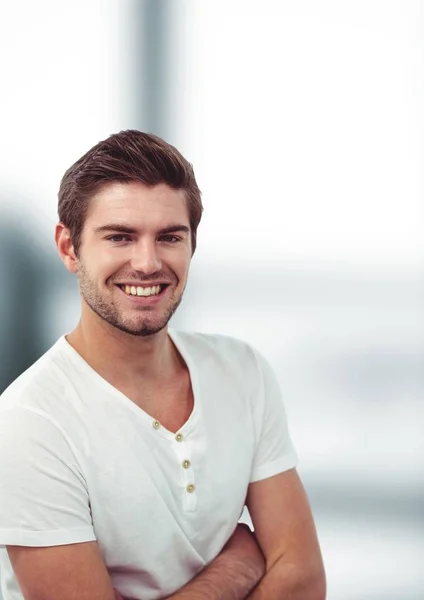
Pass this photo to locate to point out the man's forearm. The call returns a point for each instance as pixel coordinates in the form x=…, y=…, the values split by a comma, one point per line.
x=232, y=575
x=225, y=577
x=229, y=579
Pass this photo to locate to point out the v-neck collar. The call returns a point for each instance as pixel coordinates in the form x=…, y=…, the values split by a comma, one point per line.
x=113, y=391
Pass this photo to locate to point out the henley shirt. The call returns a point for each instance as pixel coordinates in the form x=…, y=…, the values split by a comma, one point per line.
x=80, y=461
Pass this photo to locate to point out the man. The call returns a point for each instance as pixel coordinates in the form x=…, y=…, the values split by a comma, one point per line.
x=128, y=451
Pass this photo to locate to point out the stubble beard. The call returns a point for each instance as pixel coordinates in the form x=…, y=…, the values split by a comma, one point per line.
x=106, y=310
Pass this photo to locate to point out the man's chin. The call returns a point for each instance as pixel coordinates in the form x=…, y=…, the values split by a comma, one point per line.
x=145, y=330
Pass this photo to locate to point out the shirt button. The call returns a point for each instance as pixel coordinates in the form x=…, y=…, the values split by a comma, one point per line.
x=186, y=464
x=179, y=437
x=190, y=488
x=156, y=424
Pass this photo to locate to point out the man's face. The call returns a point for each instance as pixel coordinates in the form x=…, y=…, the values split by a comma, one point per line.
x=135, y=255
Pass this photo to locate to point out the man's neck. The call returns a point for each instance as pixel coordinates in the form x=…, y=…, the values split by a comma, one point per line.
x=120, y=357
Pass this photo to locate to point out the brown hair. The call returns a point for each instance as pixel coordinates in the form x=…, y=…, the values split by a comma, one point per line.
x=126, y=156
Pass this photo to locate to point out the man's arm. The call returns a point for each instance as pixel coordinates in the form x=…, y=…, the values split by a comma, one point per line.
x=77, y=572
x=69, y=572
x=286, y=533
x=233, y=573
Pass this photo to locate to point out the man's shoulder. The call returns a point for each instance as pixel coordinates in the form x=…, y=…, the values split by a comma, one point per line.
x=38, y=380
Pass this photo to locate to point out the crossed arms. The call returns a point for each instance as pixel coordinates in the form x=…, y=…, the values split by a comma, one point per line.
x=284, y=563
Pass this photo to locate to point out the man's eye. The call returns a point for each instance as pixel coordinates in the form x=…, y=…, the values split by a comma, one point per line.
x=118, y=238
x=170, y=238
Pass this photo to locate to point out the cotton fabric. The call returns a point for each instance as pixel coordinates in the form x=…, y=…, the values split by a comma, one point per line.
x=79, y=461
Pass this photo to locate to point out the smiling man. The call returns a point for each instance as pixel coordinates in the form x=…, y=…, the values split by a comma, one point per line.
x=129, y=450
x=145, y=285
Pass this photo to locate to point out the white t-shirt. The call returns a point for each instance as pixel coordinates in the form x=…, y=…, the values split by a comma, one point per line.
x=79, y=461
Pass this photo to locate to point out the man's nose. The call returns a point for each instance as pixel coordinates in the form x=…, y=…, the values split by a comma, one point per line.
x=145, y=258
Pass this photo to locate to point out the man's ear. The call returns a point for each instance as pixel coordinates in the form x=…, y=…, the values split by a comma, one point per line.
x=63, y=240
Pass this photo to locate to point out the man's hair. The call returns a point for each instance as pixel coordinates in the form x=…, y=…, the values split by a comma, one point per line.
x=126, y=156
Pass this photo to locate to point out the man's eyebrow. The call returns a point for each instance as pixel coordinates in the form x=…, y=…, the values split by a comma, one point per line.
x=114, y=227
x=125, y=229
x=175, y=228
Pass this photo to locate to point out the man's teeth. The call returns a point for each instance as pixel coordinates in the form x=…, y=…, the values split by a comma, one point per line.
x=133, y=290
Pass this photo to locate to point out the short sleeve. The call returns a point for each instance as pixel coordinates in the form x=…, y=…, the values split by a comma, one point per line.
x=43, y=496
x=275, y=452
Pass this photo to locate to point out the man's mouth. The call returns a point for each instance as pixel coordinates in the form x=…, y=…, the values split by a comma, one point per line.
x=138, y=290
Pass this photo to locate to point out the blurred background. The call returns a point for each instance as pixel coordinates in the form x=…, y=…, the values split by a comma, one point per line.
x=304, y=122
